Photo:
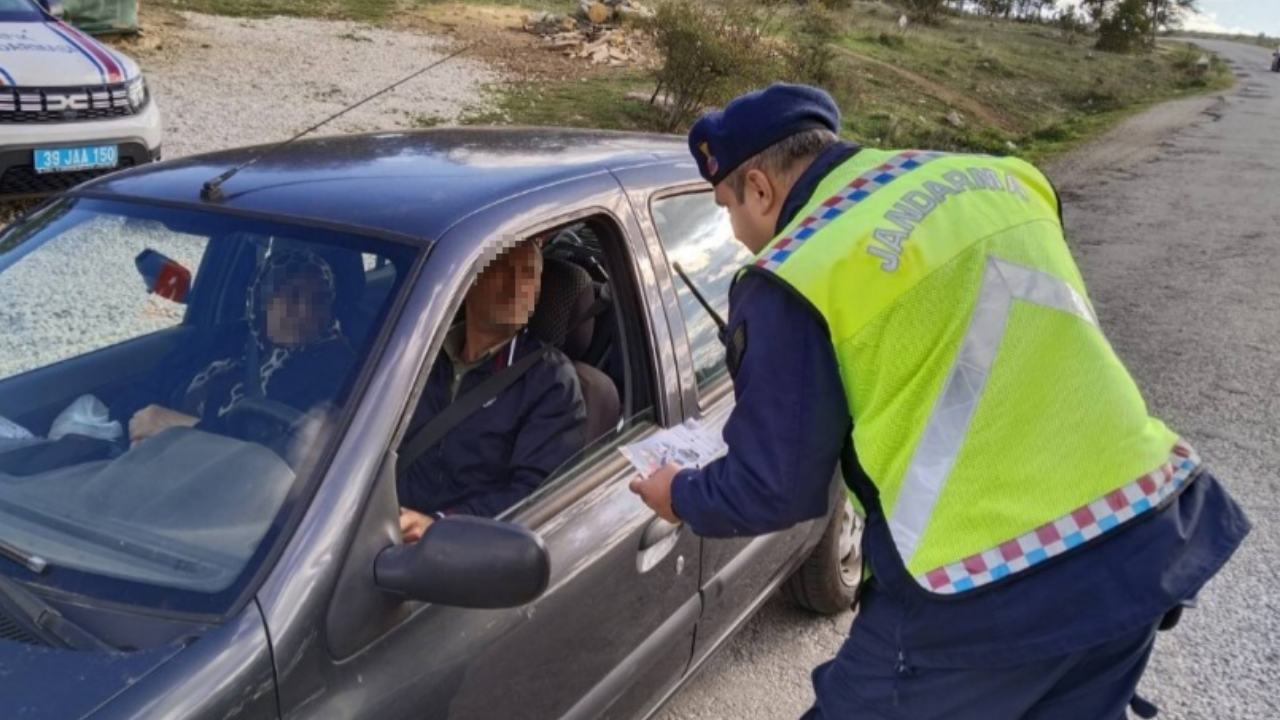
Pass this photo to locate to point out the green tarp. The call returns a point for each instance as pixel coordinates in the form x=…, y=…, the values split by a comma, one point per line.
x=98, y=17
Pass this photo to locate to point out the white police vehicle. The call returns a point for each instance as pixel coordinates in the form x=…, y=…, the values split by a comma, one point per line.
x=70, y=107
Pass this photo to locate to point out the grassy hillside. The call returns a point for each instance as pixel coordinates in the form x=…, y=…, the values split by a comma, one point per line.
x=968, y=84
x=1013, y=87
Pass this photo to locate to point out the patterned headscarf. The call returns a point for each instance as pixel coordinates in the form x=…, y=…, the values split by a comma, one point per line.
x=276, y=270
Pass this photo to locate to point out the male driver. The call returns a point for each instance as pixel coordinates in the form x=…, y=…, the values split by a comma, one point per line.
x=503, y=451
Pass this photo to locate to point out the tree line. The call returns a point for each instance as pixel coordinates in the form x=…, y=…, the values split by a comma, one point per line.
x=1121, y=25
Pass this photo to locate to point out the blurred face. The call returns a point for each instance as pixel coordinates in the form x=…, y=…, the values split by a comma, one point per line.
x=506, y=292
x=297, y=313
x=754, y=217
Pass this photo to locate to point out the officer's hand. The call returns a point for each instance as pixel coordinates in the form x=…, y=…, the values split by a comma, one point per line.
x=655, y=491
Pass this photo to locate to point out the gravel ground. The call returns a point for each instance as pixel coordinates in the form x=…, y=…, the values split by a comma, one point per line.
x=226, y=82
x=1174, y=226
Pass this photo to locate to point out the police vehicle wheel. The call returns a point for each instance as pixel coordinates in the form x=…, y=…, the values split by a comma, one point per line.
x=827, y=582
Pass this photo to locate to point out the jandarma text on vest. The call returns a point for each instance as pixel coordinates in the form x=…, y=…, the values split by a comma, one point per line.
x=917, y=204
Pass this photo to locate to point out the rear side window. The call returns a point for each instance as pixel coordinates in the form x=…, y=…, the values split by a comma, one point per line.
x=695, y=233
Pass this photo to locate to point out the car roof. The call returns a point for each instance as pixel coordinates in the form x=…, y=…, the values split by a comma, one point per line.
x=413, y=183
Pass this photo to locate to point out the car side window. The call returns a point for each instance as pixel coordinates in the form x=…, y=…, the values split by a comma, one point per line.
x=695, y=232
x=508, y=451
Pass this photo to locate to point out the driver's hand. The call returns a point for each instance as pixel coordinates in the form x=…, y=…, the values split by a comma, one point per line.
x=412, y=525
x=153, y=419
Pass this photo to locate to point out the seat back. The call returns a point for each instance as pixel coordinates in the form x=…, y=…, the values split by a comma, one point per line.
x=560, y=319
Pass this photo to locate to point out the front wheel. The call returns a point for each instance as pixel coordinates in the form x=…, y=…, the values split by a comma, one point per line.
x=827, y=582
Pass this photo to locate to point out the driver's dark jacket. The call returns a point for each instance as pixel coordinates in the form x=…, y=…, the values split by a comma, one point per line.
x=501, y=453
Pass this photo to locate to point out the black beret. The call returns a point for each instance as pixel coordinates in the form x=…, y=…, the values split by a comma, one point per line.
x=722, y=140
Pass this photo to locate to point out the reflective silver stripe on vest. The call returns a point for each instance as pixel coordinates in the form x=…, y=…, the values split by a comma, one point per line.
x=944, y=434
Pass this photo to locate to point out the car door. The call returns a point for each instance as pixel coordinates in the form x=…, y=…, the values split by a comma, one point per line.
x=685, y=226
x=613, y=632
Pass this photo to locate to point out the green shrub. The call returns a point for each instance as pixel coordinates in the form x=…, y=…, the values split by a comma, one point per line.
x=710, y=52
x=811, y=58
x=1057, y=132
x=890, y=40
x=929, y=12
x=1125, y=29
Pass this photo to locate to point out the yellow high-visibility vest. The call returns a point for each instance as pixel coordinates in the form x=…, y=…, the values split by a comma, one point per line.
x=993, y=418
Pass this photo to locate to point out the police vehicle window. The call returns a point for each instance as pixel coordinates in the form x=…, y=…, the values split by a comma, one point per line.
x=148, y=445
x=696, y=233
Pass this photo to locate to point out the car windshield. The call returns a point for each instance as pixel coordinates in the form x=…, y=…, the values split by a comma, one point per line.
x=16, y=10
x=169, y=381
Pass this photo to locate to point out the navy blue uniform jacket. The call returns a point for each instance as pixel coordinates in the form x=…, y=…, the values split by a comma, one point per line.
x=785, y=437
x=501, y=453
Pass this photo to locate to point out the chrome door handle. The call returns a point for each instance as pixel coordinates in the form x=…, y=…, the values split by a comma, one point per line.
x=659, y=539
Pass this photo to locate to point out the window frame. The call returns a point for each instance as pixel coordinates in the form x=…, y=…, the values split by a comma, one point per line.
x=580, y=475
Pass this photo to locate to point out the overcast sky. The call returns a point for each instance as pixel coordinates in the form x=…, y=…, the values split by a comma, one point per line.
x=1238, y=16
x=1233, y=16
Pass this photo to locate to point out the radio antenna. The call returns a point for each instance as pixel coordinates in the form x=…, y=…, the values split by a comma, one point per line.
x=212, y=190
x=698, y=295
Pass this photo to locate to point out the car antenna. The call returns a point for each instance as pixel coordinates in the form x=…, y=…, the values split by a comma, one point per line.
x=694, y=288
x=212, y=189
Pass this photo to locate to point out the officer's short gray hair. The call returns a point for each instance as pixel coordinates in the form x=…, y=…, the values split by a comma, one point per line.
x=782, y=159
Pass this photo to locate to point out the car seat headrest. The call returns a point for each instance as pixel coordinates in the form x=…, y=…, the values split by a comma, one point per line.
x=567, y=296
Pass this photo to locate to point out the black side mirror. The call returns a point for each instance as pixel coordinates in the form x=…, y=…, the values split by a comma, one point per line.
x=467, y=562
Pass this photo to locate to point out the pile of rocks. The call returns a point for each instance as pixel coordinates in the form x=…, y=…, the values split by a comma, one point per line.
x=600, y=45
x=592, y=33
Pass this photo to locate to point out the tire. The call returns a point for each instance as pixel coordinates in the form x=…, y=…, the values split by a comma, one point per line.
x=827, y=582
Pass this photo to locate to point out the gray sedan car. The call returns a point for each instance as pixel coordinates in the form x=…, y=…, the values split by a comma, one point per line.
x=244, y=560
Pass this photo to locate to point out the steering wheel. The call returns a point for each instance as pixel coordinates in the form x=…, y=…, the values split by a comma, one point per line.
x=264, y=421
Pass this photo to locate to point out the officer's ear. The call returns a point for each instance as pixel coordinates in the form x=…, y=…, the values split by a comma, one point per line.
x=760, y=192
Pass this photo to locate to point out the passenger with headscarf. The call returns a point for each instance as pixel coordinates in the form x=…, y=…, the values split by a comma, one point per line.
x=302, y=355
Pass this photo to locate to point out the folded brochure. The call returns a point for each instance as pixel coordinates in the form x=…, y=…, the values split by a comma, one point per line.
x=689, y=445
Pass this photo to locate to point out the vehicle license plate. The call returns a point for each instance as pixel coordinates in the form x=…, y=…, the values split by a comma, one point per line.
x=76, y=158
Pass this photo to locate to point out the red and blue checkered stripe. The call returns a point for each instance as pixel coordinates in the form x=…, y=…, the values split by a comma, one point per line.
x=1069, y=531
x=855, y=192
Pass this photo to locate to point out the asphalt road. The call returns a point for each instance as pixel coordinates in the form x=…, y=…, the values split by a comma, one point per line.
x=1175, y=220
